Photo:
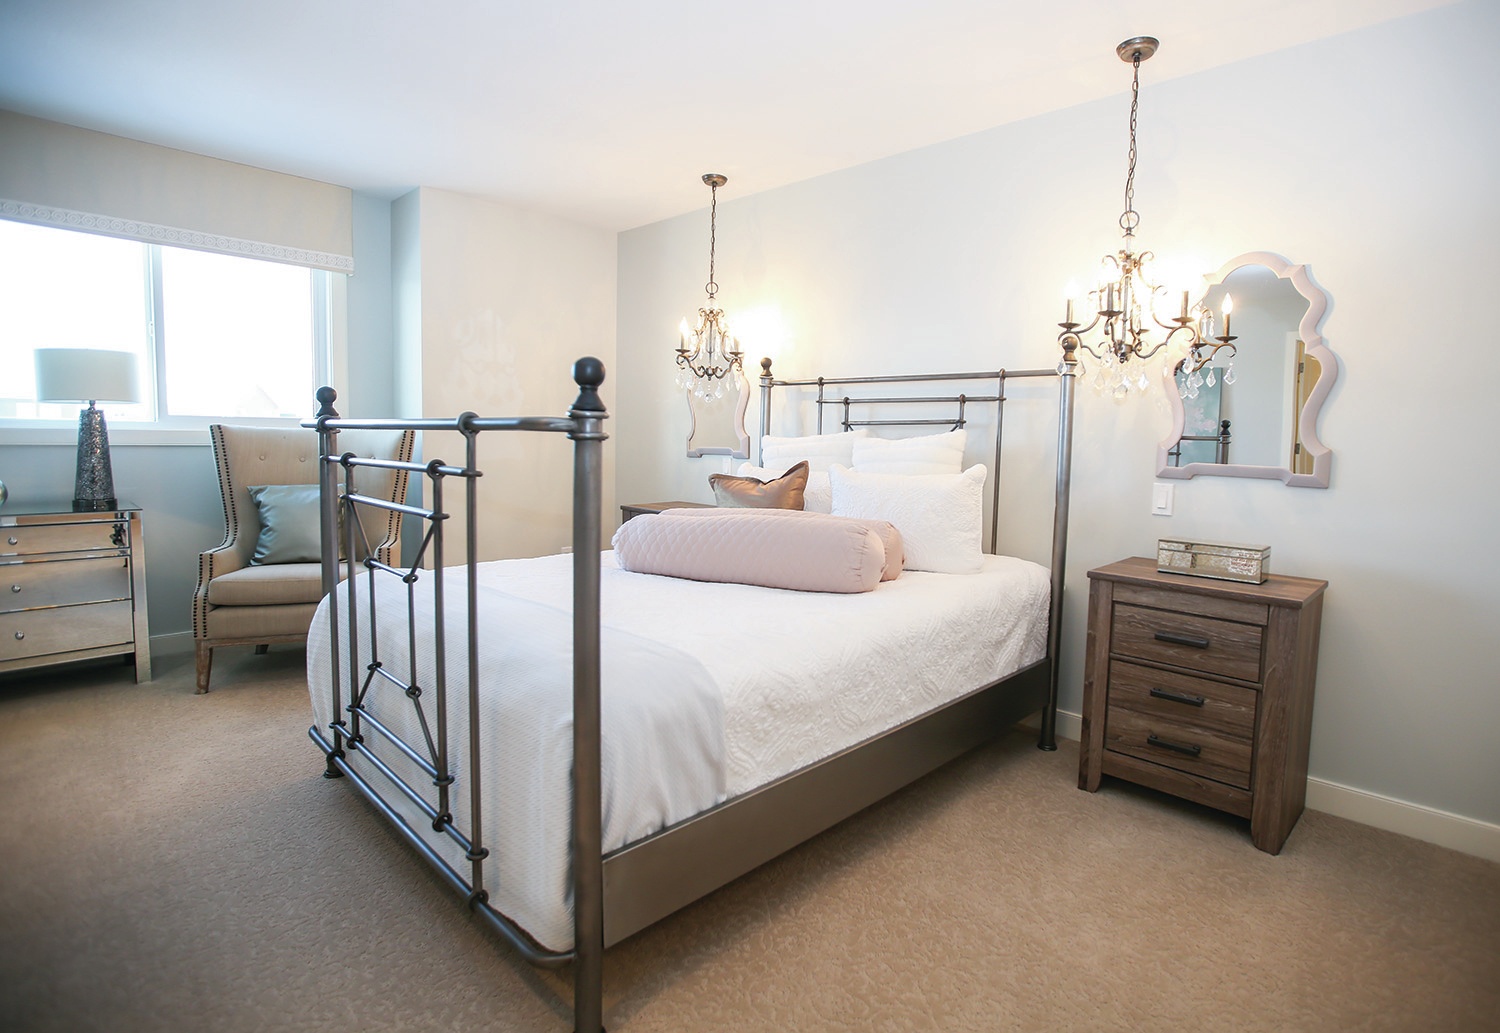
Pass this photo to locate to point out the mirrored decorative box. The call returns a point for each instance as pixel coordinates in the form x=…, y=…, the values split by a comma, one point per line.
x=1223, y=560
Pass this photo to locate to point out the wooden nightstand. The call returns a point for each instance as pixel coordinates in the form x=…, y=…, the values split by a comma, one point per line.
x=1203, y=689
x=636, y=509
x=72, y=586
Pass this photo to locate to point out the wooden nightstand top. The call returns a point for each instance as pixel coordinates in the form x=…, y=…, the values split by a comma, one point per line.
x=1278, y=589
x=657, y=507
x=635, y=509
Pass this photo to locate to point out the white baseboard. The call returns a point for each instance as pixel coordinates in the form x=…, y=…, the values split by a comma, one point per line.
x=1454, y=831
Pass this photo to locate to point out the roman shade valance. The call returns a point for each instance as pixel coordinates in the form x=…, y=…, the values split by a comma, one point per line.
x=59, y=175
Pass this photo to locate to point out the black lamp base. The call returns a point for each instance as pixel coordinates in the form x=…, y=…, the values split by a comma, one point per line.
x=94, y=486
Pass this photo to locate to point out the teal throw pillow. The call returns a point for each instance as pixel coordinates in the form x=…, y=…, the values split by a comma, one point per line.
x=288, y=523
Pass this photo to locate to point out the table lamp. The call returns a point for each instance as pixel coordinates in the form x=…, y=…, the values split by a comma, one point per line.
x=88, y=375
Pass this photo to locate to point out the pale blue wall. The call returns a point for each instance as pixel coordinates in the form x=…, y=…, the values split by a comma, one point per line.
x=1371, y=156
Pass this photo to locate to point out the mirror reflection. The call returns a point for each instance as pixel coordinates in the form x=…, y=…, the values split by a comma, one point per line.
x=1252, y=412
x=1253, y=390
x=717, y=420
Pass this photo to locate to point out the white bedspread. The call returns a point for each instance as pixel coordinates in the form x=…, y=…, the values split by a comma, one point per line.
x=708, y=690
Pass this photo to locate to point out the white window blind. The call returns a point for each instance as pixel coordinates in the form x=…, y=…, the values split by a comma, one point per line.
x=57, y=175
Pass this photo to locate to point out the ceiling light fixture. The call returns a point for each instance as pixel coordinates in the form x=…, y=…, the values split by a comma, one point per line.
x=1126, y=297
x=707, y=355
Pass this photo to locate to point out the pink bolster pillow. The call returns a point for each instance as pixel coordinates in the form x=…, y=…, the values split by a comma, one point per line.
x=895, y=552
x=754, y=547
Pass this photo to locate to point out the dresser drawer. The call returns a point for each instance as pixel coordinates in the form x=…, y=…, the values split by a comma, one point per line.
x=1191, y=724
x=63, y=582
x=80, y=536
x=41, y=632
x=1206, y=644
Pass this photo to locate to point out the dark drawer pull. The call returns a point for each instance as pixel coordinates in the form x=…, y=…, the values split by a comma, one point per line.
x=1181, y=640
x=1178, y=697
x=1166, y=744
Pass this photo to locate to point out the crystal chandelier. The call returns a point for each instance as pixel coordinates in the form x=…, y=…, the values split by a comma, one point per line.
x=1125, y=305
x=706, y=356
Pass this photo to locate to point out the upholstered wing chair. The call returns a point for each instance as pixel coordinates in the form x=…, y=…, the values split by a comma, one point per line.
x=258, y=588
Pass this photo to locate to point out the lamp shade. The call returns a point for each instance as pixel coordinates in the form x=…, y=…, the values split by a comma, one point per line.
x=86, y=375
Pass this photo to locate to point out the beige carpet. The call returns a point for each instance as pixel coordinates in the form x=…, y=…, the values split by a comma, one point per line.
x=175, y=862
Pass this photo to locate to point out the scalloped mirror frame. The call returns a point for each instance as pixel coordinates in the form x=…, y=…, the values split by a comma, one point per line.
x=1307, y=421
x=742, y=451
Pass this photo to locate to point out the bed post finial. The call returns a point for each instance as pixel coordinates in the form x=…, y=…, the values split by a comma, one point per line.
x=326, y=397
x=588, y=374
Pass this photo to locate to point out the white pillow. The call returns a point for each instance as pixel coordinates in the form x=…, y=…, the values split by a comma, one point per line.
x=940, y=516
x=820, y=450
x=931, y=453
x=817, y=497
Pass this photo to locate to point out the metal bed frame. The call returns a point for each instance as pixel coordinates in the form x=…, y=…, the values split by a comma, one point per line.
x=622, y=892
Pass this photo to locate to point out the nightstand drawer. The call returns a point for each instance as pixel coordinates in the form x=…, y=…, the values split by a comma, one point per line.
x=1177, y=741
x=83, y=536
x=63, y=582
x=1206, y=644
x=1185, y=702
x=43, y=632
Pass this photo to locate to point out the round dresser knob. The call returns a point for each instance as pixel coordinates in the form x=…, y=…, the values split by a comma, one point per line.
x=20, y=635
x=15, y=588
x=14, y=541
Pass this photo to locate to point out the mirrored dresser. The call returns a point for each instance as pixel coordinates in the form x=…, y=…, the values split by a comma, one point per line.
x=72, y=586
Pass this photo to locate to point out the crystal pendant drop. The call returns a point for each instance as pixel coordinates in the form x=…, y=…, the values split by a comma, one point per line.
x=1210, y=380
x=1229, y=374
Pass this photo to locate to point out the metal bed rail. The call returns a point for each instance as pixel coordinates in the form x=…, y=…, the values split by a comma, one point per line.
x=352, y=677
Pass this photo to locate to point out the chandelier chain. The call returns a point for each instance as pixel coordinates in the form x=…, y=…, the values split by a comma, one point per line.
x=1128, y=218
x=713, y=218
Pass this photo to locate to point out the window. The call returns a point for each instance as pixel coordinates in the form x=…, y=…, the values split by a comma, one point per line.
x=215, y=336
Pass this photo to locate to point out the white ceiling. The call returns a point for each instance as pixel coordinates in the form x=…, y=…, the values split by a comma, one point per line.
x=605, y=112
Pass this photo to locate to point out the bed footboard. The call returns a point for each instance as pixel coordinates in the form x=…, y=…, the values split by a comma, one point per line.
x=357, y=731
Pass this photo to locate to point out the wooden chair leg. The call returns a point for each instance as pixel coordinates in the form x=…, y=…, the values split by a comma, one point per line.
x=205, y=658
x=262, y=649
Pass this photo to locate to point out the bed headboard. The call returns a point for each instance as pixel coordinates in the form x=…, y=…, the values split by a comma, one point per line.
x=869, y=401
x=953, y=402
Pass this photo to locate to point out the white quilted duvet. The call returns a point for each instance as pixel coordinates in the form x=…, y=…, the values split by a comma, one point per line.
x=709, y=690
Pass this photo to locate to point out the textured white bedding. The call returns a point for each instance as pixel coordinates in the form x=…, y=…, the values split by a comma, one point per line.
x=709, y=690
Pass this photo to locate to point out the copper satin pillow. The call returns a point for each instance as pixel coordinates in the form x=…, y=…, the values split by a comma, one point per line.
x=785, y=492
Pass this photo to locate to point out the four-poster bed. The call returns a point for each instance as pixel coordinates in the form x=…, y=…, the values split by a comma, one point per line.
x=433, y=760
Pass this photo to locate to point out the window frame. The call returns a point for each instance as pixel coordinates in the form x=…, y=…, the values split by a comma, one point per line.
x=329, y=347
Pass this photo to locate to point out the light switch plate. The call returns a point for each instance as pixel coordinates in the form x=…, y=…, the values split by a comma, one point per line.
x=1161, y=498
